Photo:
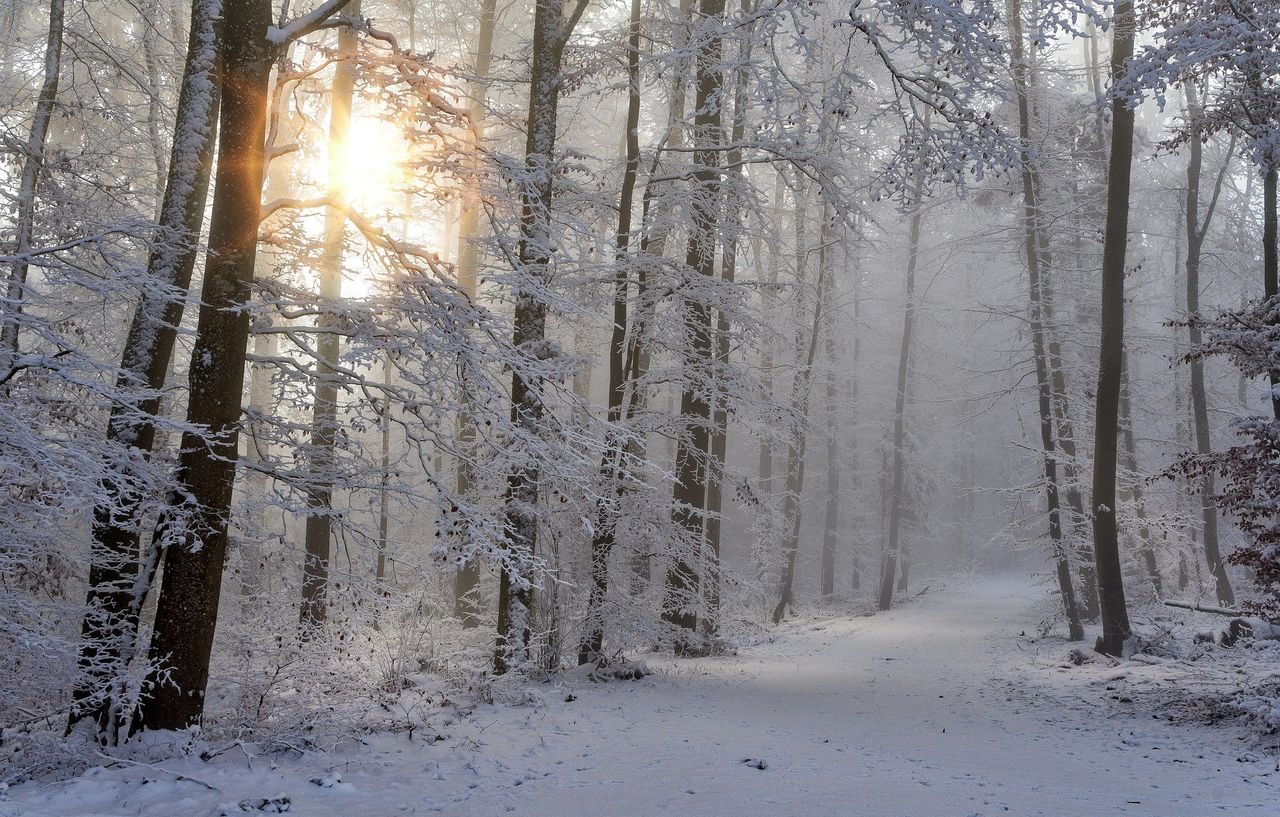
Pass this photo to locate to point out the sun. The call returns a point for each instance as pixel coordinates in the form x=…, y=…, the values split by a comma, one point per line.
x=369, y=173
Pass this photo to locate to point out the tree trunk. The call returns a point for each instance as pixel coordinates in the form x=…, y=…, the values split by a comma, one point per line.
x=889, y=562
x=1106, y=546
x=551, y=30
x=767, y=301
x=466, y=602
x=796, y=449
x=1131, y=487
x=607, y=514
x=28, y=187
x=1196, y=232
x=831, y=519
x=728, y=273
x=1044, y=387
x=113, y=604
x=324, y=419
x=682, y=591
x=193, y=533
x=1271, y=260
x=384, y=480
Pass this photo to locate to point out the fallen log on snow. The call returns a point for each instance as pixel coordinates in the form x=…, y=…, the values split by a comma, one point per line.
x=1202, y=608
x=1241, y=627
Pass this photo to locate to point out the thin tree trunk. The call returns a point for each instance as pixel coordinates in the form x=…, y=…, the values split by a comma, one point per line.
x=852, y=438
x=466, y=604
x=28, y=187
x=831, y=519
x=693, y=449
x=800, y=389
x=1044, y=387
x=607, y=514
x=1271, y=260
x=1106, y=545
x=551, y=31
x=767, y=301
x=1196, y=232
x=1131, y=487
x=384, y=480
x=318, y=537
x=113, y=604
x=889, y=562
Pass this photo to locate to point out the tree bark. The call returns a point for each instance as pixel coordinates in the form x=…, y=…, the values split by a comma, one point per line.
x=728, y=272
x=1195, y=232
x=1271, y=260
x=889, y=562
x=113, y=603
x=608, y=511
x=800, y=389
x=318, y=535
x=28, y=186
x=193, y=533
x=551, y=31
x=680, y=601
x=831, y=518
x=466, y=603
x=1131, y=487
x=1044, y=387
x=1106, y=546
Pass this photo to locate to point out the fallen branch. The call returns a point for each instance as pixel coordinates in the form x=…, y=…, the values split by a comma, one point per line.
x=1200, y=608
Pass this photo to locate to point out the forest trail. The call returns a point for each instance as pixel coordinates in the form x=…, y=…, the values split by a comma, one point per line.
x=937, y=709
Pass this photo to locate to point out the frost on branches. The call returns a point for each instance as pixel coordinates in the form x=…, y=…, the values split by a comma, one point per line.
x=1250, y=469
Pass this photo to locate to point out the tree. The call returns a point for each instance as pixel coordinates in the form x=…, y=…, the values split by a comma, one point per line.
x=693, y=450
x=1033, y=243
x=1196, y=231
x=608, y=512
x=32, y=166
x=116, y=586
x=1106, y=545
x=806, y=356
x=193, y=533
x=324, y=430
x=889, y=558
x=465, y=587
x=551, y=32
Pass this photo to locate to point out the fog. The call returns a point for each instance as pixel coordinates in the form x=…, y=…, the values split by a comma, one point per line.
x=373, y=369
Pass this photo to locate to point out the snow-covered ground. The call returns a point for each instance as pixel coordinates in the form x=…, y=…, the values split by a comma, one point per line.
x=947, y=706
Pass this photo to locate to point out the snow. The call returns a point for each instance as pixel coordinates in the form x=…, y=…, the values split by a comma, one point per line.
x=948, y=705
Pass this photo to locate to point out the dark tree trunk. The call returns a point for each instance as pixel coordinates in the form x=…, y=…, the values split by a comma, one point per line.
x=607, y=513
x=1044, y=388
x=1106, y=545
x=193, y=533
x=1271, y=260
x=551, y=30
x=683, y=590
x=109, y=632
x=796, y=449
x=1195, y=232
x=28, y=186
x=728, y=273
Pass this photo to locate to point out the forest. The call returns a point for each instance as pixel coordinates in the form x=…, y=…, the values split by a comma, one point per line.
x=620, y=406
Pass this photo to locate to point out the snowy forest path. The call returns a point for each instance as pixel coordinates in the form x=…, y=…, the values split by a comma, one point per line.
x=940, y=707
x=948, y=706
